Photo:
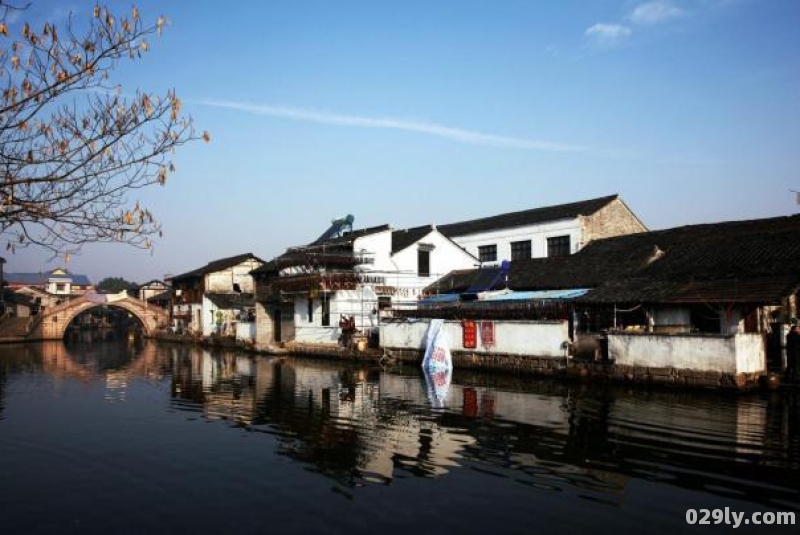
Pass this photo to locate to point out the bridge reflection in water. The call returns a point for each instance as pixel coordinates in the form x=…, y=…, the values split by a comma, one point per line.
x=360, y=426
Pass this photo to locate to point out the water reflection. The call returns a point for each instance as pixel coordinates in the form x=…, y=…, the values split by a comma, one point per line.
x=438, y=385
x=88, y=359
x=360, y=426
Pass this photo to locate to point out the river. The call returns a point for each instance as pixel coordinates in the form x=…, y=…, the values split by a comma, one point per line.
x=122, y=437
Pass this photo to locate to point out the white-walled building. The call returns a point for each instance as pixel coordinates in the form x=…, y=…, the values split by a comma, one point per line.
x=151, y=289
x=353, y=277
x=544, y=232
x=206, y=298
x=59, y=281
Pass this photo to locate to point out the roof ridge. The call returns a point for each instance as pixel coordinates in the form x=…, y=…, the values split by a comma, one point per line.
x=571, y=209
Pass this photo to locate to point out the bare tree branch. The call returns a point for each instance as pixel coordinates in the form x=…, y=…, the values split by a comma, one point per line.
x=72, y=146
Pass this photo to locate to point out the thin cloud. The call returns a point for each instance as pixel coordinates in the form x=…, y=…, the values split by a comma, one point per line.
x=643, y=15
x=608, y=33
x=656, y=12
x=456, y=134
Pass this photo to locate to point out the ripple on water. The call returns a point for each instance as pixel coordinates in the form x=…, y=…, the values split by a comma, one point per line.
x=376, y=435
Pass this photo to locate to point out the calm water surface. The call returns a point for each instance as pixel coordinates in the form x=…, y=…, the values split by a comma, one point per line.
x=118, y=438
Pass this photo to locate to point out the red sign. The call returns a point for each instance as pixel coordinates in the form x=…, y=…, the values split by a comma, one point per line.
x=470, y=405
x=470, y=336
x=487, y=333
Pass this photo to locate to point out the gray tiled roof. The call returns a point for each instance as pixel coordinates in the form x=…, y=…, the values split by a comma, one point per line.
x=745, y=262
x=217, y=265
x=35, y=279
x=408, y=237
x=526, y=217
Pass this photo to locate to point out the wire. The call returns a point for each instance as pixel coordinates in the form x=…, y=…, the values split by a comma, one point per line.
x=634, y=309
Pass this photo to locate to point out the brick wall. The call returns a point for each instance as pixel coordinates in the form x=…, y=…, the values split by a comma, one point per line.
x=615, y=219
x=264, y=326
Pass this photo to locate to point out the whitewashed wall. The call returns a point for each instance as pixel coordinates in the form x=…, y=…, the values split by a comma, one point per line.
x=246, y=332
x=525, y=338
x=146, y=292
x=445, y=257
x=209, y=318
x=751, y=355
x=310, y=330
x=741, y=353
x=359, y=303
x=195, y=324
x=223, y=281
x=399, y=271
x=52, y=286
x=378, y=248
x=538, y=235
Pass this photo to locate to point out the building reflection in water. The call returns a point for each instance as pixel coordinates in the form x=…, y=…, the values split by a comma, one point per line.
x=91, y=357
x=360, y=425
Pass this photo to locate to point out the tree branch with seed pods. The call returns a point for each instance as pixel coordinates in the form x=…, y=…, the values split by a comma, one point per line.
x=73, y=147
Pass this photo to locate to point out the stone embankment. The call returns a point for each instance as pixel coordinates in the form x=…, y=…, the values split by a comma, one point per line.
x=14, y=330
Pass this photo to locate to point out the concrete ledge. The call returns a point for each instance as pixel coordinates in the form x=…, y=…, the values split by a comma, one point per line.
x=332, y=351
x=589, y=370
x=685, y=378
x=490, y=362
x=15, y=339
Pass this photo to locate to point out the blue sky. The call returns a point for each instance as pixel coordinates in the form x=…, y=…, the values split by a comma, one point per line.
x=436, y=111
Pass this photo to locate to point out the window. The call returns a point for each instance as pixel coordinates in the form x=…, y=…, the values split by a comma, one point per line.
x=311, y=310
x=326, y=310
x=558, y=246
x=61, y=287
x=520, y=250
x=424, y=263
x=487, y=253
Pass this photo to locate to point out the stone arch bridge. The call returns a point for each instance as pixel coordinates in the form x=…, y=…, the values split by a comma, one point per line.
x=52, y=323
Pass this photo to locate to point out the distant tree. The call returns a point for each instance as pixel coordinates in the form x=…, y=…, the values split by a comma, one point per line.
x=115, y=285
x=72, y=145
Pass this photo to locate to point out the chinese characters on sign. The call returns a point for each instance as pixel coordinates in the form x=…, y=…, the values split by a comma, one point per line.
x=470, y=334
x=487, y=333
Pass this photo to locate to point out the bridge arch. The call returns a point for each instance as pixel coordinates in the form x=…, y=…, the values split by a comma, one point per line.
x=53, y=323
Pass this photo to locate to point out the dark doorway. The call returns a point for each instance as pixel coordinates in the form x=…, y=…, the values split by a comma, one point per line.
x=705, y=320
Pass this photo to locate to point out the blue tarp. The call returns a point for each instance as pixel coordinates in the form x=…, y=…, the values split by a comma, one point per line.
x=539, y=295
x=440, y=299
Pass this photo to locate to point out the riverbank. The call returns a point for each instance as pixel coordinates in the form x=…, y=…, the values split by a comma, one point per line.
x=574, y=369
x=508, y=364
